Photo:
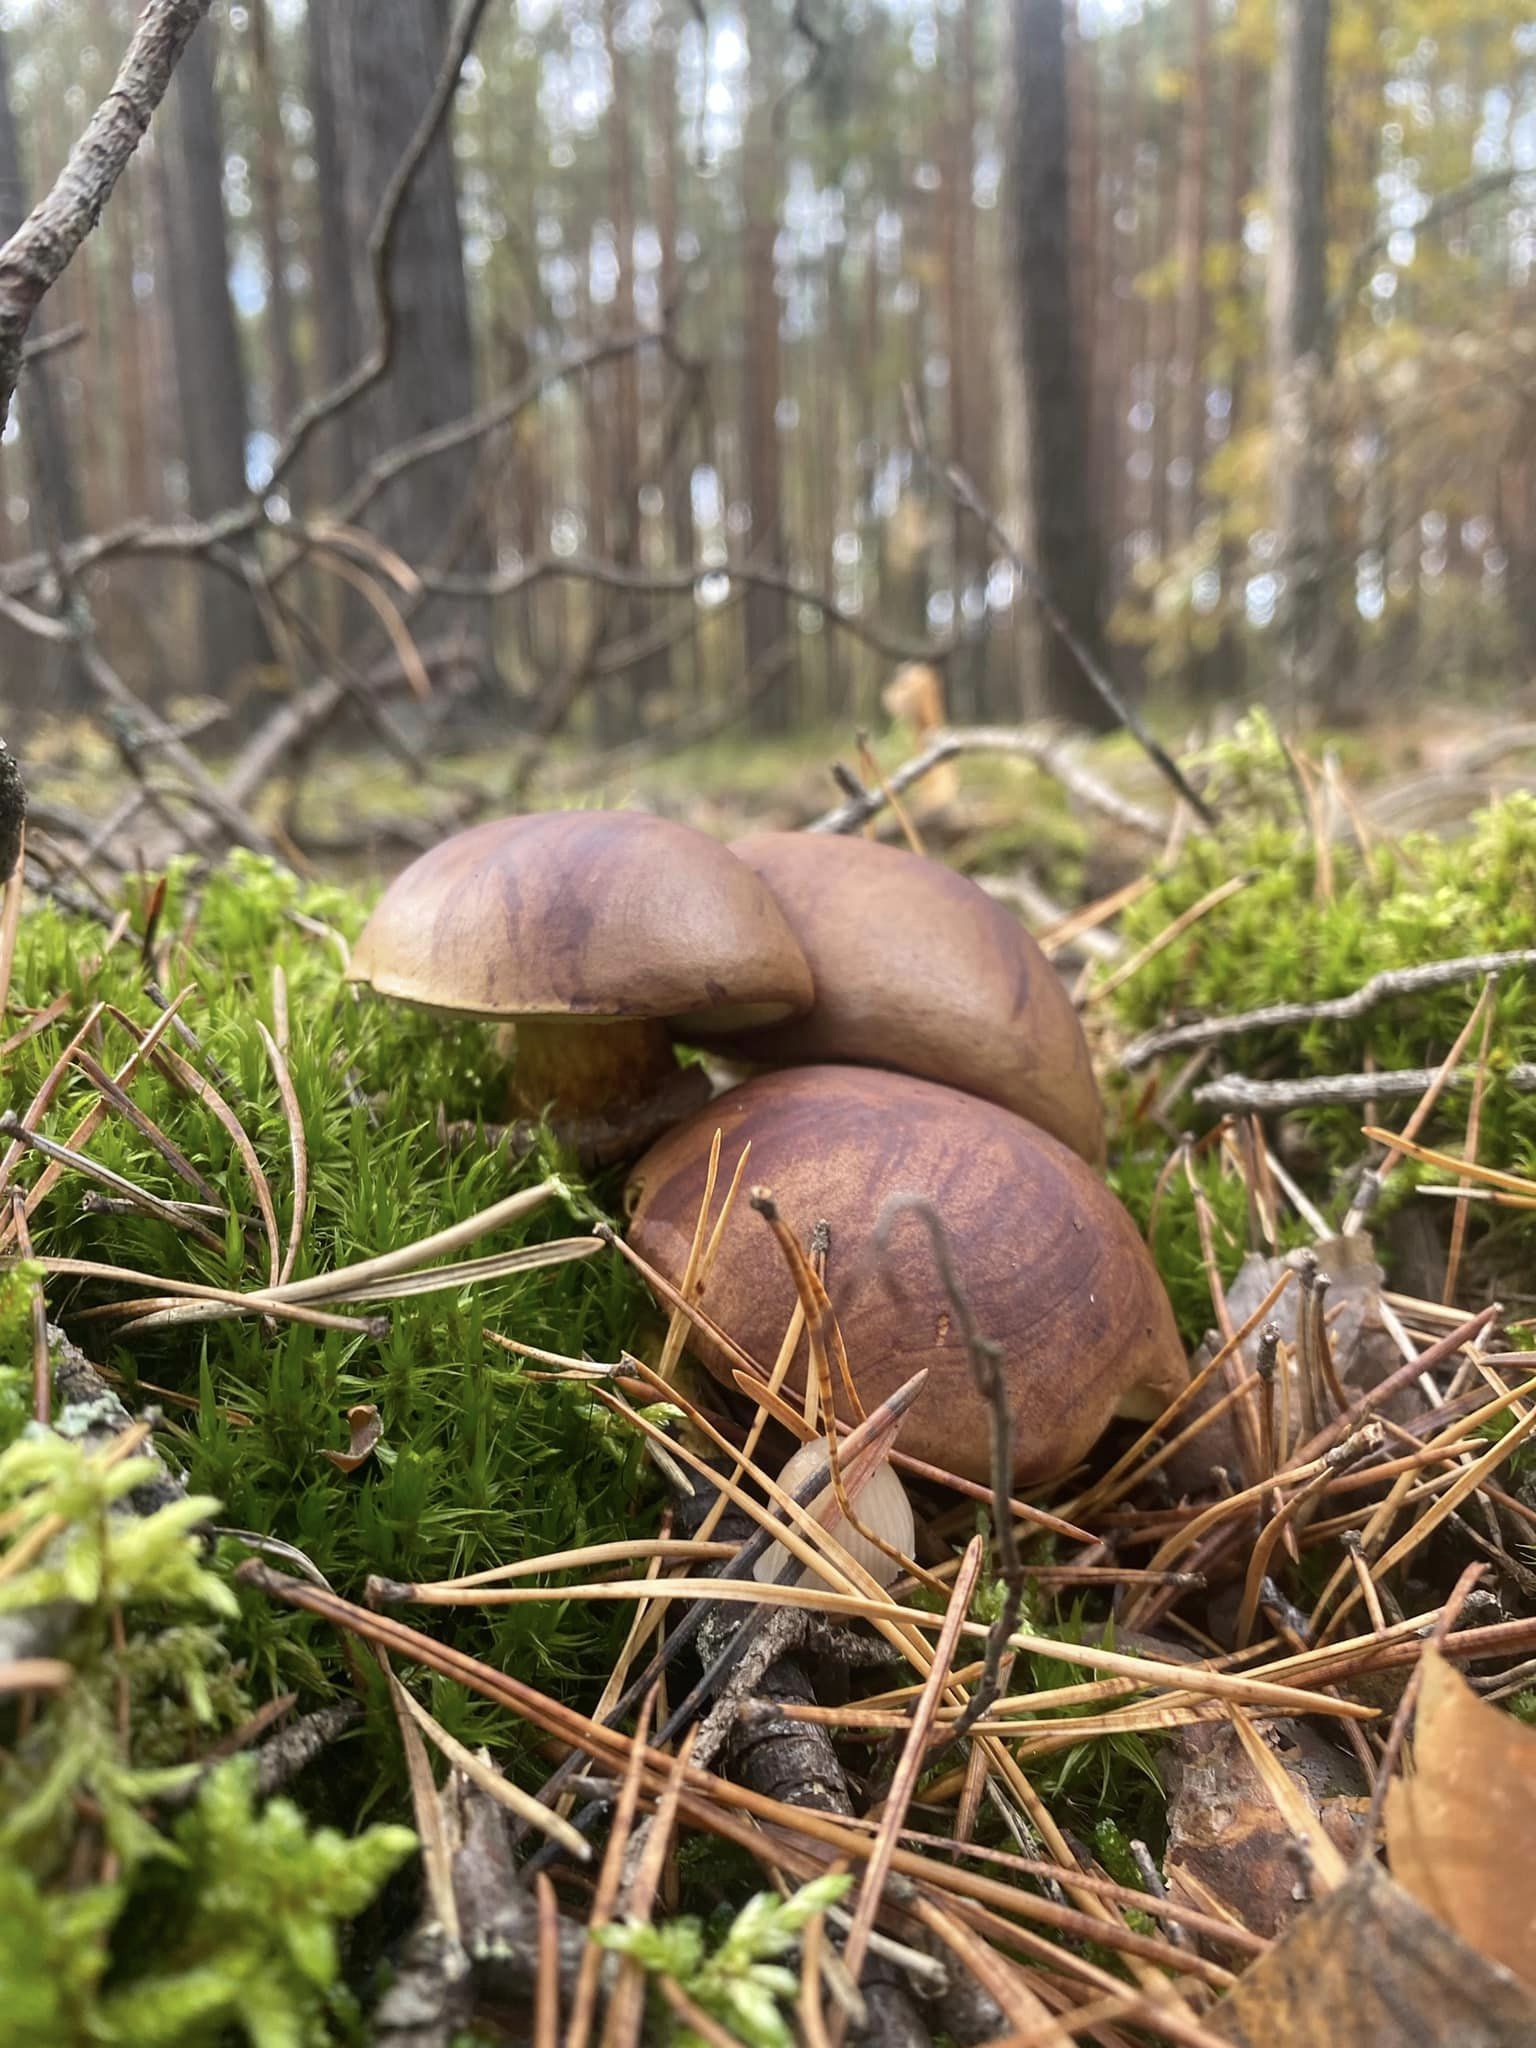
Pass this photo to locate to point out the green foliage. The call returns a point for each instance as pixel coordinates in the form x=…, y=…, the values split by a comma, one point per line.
x=1109, y=1778
x=125, y=1558
x=18, y=1283
x=249, y=1926
x=741, y=1983
x=235, y=1930
x=225, y=1919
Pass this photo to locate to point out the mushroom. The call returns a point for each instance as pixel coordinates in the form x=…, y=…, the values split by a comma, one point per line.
x=598, y=933
x=1049, y=1264
x=881, y=1504
x=918, y=969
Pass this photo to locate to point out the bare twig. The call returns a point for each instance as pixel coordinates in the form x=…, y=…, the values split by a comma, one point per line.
x=986, y=1359
x=39, y=252
x=1048, y=746
x=965, y=493
x=1459, y=197
x=1238, y=1093
x=1402, y=981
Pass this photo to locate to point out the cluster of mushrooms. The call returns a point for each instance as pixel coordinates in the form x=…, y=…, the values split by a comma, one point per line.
x=916, y=1047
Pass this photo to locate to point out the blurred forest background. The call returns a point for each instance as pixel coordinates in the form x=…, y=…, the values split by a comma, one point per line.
x=738, y=355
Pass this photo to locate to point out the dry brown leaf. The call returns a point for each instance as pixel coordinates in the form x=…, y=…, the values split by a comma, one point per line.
x=367, y=1427
x=1461, y=1830
x=1367, y=1967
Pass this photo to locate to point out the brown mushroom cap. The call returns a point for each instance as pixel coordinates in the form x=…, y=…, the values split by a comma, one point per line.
x=1050, y=1263
x=594, y=914
x=918, y=969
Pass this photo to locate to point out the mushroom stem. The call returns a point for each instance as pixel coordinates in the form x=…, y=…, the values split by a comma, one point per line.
x=582, y=1066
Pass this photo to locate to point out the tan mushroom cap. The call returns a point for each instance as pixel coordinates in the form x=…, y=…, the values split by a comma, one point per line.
x=596, y=914
x=918, y=969
x=1053, y=1268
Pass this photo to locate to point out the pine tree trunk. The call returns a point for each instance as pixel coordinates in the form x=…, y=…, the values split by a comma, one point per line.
x=210, y=379
x=766, y=617
x=1188, y=436
x=332, y=258
x=1306, y=621
x=43, y=462
x=393, y=52
x=271, y=154
x=1067, y=544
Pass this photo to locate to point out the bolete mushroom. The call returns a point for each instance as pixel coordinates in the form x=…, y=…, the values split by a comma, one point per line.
x=598, y=934
x=916, y=968
x=1050, y=1265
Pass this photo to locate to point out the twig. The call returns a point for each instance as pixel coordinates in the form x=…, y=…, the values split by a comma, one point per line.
x=1048, y=746
x=1236, y=1092
x=1487, y=186
x=1398, y=981
x=965, y=493
x=39, y=252
x=986, y=1360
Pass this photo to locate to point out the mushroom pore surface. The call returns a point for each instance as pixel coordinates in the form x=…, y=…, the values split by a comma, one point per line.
x=917, y=969
x=1050, y=1264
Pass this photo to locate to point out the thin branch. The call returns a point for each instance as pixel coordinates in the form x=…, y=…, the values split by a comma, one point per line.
x=670, y=582
x=965, y=493
x=62, y=338
x=986, y=1361
x=1453, y=201
x=1236, y=1093
x=1047, y=746
x=39, y=252
x=1400, y=981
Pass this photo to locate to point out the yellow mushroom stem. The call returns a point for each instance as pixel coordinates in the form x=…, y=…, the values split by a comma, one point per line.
x=584, y=1066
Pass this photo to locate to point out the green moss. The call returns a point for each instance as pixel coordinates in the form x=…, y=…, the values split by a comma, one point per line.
x=1282, y=939
x=480, y=1460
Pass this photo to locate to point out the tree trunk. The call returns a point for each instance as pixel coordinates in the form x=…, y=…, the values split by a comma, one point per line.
x=271, y=154
x=1188, y=435
x=394, y=50
x=619, y=699
x=210, y=379
x=1068, y=556
x=766, y=617
x=1296, y=301
x=331, y=263
x=48, y=460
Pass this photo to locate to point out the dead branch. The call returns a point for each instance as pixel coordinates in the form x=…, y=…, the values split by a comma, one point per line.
x=985, y=1355
x=1455, y=200
x=1050, y=748
x=1236, y=1093
x=794, y=1761
x=1401, y=981
x=965, y=493
x=39, y=252
x=670, y=582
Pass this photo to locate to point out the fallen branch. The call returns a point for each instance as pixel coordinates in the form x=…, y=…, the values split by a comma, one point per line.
x=39, y=252
x=1236, y=1093
x=1399, y=981
x=1048, y=746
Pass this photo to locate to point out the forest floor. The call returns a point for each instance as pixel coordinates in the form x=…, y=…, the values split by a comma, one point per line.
x=1164, y=1817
